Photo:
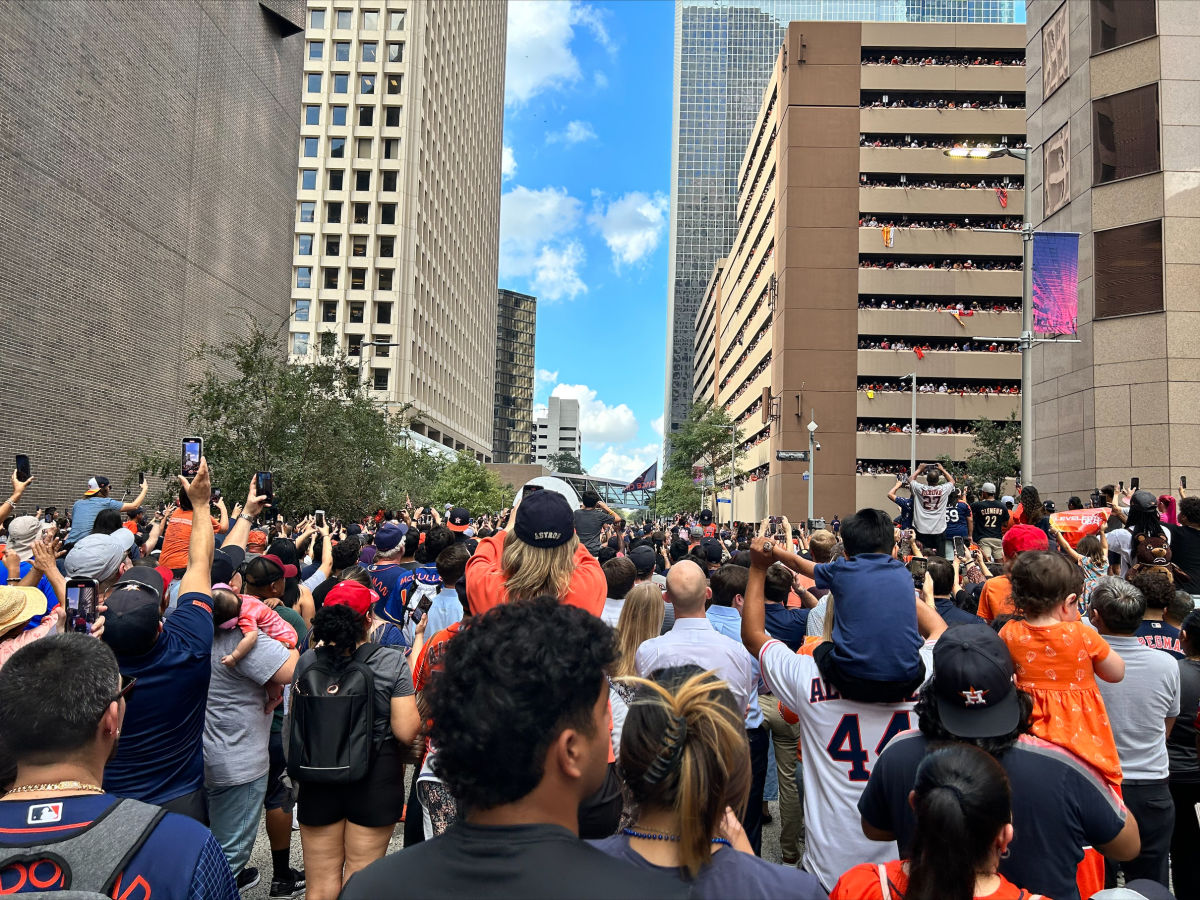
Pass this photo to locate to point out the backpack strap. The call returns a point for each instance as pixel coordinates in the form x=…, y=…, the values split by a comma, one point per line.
x=93, y=858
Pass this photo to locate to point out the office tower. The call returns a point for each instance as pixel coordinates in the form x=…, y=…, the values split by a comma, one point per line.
x=557, y=430
x=725, y=51
x=148, y=171
x=863, y=254
x=1113, y=160
x=516, y=326
x=398, y=205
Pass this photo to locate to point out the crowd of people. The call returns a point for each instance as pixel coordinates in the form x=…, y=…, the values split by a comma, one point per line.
x=886, y=101
x=869, y=427
x=930, y=142
x=922, y=305
x=943, y=60
x=985, y=265
x=947, y=345
x=996, y=223
x=553, y=701
x=960, y=388
x=924, y=182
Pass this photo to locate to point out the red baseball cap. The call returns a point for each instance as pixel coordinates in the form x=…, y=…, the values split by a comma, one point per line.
x=358, y=597
x=1020, y=538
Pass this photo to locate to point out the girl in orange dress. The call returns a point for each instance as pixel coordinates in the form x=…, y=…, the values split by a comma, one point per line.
x=1058, y=657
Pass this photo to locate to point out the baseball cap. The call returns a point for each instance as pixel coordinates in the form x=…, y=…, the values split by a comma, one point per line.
x=712, y=550
x=706, y=517
x=459, y=519
x=225, y=563
x=643, y=559
x=267, y=569
x=99, y=555
x=22, y=531
x=988, y=488
x=544, y=519
x=19, y=604
x=1138, y=889
x=973, y=682
x=695, y=532
x=1020, y=538
x=358, y=597
x=256, y=542
x=95, y=484
x=133, y=614
x=389, y=536
x=1143, y=501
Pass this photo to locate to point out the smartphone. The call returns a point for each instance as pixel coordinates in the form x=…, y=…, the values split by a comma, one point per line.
x=1120, y=485
x=23, y=473
x=422, y=607
x=1097, y=500
x=82, y=604
x=320, y=518
x=216, y=495
x=264, y=484
x=918, y=566
x=529, y=489
x=960, y=547
x=906, y=541
x=141, y=477
x=1183, y=482
x=193, y=449
x=1135, y=483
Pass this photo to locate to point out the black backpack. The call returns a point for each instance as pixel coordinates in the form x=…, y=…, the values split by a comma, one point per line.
x=331, y=737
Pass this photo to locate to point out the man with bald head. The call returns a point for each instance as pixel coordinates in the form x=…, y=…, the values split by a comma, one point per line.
x=693, y=640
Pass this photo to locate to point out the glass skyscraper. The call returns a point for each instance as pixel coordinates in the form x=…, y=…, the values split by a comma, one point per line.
x=725, y=51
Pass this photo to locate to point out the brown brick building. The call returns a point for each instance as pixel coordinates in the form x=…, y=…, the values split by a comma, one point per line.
x=147, y=188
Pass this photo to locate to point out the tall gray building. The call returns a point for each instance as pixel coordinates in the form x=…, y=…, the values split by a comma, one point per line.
x=512, y=418
x=724, y=54
x=147, y=182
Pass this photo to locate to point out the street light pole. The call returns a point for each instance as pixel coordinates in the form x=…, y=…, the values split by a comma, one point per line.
x=812, y=464
x=912, y=452
x=732, y=470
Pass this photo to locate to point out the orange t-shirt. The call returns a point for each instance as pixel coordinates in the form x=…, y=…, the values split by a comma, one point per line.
x=178, y=535
x=865, y=882
x=996, y=598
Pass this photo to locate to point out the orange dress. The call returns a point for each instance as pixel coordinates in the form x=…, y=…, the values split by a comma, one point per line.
x=1056, y=666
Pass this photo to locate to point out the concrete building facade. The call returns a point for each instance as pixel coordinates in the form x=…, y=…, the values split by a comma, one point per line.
x=516, y=329
x=1114, y=116
x=864, y=254
x=147, y=170
x=398, y=205
x=556, y=430
x=725, y=52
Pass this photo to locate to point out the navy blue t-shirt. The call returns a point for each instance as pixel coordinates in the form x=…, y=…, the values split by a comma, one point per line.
x=956, y=520
x=1059, y=804
x=875, y=634
x=393, y=582
x=1161, y=636
x=787, y=625
x=160, y=755
x=180, y=859
x=952, y=613
x=905, y=504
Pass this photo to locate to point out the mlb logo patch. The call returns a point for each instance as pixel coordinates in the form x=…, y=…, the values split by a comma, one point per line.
x=44, y=813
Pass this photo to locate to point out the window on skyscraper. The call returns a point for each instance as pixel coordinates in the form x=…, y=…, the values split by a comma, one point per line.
x=327, y=342
x=331, y=278
x=308, y=179
x=366, y=116
x=358, y=282
x=343, y=18
x=304, y=277
x=389, y=181
x=333, y=212
x=387, y=213
x=391, y=148
x=329, y=309
x=387, y=246
x=385, y=279
x=310, y=146
x=379, y=379
x=366, y=84
x=1125, y=134
x=396, y=51
x=333, y=245
x=362, y=214
x=313, y=85
x=336, y=177
x=341, y=84
x=364, y=148
x=383, y=313
x=303, y=308
x=396, y=20
x=312, y=115
x=307, y=211
x=356, y=309
x=393, y=84
x=304, y=245
x=354, y=344
x=341, y=51
x=1116, y=23
x=362, y=181
x=369, y=50
x=339, y=115
x=370, y=20
x=316, y=49
x=300, y=344
x=316, y=18
x=337, y=148
x=359, y=245
x=391, y=116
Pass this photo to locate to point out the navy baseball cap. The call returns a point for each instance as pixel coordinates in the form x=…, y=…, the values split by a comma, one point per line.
x=544, y=519
x=973, y=682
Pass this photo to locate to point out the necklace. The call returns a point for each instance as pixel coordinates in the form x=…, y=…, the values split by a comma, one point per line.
x=663, y=836
x=70, y=785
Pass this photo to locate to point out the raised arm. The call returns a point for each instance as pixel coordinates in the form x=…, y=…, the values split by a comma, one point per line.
x=793, y=561
x=18, y=488
x=1066, y=547
x=137, y=501
x=754, y=630
x=240, y=532
x=198, y=577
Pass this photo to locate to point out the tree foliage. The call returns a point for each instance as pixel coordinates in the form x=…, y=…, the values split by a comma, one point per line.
x=565, y=462
x=704, y=439
x=464, y=481
x=676, y=493
x=994, y=456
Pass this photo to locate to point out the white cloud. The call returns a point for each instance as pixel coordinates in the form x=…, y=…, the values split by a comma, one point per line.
x=624, y=464
x=600, y=79
x=599, y=423
x=508, y=164
x=657, y=425
x=631, y=225
x=556, y=272
x=576, y=132
x=540, y=410
x=539, y=57
x=545, y=376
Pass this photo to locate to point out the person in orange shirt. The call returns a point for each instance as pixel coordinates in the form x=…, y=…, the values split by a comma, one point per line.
x=174, y=553
x=996, y=597
x=537, y=555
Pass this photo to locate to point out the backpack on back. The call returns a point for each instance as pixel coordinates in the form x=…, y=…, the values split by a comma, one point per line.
x=332, y=718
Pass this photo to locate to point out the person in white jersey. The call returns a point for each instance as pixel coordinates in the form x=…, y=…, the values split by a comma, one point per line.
x=929, y=507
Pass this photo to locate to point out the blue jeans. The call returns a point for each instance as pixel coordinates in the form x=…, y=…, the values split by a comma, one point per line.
x=233, y=814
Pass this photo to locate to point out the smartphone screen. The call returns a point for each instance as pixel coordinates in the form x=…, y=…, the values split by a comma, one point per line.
x=960, y=547
x=529, y=489
x=423, y=605
x=141, y=477
x=1121, y=485
x=1183, y=482
x=23, y=473
x=264, y=485
x=320, y=518
x=82, y=604
x=1135, y=483
x=918, y=567
x=193, y=449
x=216, y=495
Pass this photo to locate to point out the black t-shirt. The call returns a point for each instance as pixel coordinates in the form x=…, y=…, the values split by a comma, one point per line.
x=1160, y=635
x=952, y=613
x=1185, y=553
x=990, y=516
x=533, y=861
x=1059, y=806
x=588, y=523
x=1181, y=742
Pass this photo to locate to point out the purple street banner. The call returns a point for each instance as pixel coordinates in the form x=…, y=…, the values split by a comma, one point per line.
x=648, y=480
x=1055, y=282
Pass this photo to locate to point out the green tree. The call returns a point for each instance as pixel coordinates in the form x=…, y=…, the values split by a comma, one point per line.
x=412, y=473
x=677, y=493
x=314, y=425
x=994, y=456
x=704, y=440
x=565, y=462
x=466, y=482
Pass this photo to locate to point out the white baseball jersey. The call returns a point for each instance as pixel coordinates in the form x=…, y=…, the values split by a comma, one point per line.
x=841, y=740
x=929, y=506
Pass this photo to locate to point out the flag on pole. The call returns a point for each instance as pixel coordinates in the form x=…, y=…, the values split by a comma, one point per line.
x=648, y=480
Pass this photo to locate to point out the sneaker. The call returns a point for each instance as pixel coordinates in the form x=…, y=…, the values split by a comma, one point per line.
x=247, y=878
x=292, y=886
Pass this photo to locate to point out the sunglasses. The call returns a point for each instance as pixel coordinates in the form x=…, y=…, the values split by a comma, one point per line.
x=125, y=690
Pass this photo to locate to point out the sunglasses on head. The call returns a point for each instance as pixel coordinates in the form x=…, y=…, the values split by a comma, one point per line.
x=125, y=690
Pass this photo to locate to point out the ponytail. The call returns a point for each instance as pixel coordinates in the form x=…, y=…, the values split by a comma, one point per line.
x=962, y=803
x=683, y=749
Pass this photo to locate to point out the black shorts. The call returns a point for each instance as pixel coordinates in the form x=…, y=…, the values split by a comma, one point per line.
x=280, y=793
x=376, y=801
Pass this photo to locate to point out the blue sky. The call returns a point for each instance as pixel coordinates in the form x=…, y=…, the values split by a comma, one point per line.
x=584, y=212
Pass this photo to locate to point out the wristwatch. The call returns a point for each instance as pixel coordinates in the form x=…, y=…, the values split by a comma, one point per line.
x=246, y=518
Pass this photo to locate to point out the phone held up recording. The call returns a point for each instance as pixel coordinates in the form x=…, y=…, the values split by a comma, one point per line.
x=82, y=604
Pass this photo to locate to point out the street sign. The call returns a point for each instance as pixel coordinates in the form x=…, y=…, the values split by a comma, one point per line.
x=791, y=455
x=724, y=500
